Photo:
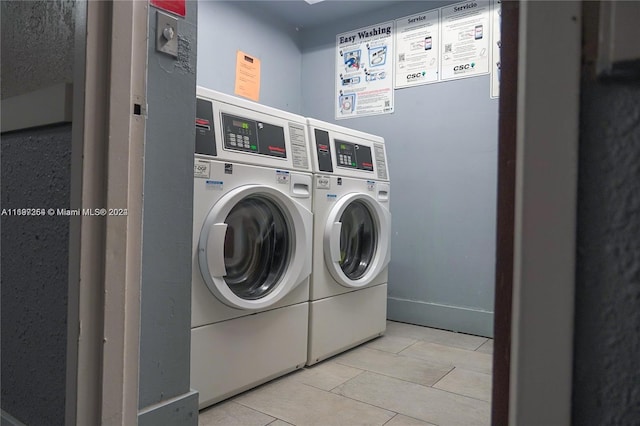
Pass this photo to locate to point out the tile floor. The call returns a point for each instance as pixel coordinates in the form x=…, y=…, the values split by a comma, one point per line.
x=410, y=376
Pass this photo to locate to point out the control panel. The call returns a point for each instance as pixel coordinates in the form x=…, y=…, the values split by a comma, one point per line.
x=347, y=152
x=353, y=156
x=243, y=134
x=237, y=130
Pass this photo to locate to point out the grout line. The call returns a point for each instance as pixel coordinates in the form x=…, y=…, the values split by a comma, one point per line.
x=426, y=386
x=458, y=350
x=440, y=379
x=376, y=349
x=252, y=408
x=390, y=419
x=437, y=329
x=346, y=381
x=357, y=400
x=464, y=396
x=279, y=419
x=431, y=340
x=413, y=344
x=417, y=384
x=482, y=344
x=393, y=377
x=456, y=393
x=369, y=404
x=407, y=347
x=394, y=335
x=434, y=363
x=420, y=384
x=248, y=406
x=430, y=423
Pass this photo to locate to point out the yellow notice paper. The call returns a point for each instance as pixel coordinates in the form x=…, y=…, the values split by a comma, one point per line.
x=247, y=76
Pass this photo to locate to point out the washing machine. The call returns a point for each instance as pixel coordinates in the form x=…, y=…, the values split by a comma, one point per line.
x=352, y=232
x=252, y=242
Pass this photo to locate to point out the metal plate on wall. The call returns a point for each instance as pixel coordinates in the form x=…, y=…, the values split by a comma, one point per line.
x=167, y=34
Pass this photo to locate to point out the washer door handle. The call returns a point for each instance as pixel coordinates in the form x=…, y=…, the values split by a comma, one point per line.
x=215, y=249
x=336, y=229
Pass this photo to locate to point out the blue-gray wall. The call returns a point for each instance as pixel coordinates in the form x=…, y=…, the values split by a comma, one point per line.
x=34, y=284
x=165, y=397
x=442, y=149
x=606, y=379
x=226, y=27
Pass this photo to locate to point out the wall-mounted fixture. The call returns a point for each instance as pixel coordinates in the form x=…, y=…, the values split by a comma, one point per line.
x=167, y=34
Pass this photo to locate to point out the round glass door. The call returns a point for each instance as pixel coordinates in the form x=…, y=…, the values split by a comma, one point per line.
x=358, y=240
x=257, y=247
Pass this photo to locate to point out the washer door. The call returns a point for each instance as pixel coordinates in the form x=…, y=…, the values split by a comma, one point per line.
x=356, y=240
x=254, y=247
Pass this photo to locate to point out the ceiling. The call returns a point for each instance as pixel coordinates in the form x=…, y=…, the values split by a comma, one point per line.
x=302, y=15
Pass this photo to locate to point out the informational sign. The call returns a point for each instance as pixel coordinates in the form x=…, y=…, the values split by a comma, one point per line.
x=496, y=44
x=247, y=76
x=417, y=49
x=364, y=71
x=464, y=39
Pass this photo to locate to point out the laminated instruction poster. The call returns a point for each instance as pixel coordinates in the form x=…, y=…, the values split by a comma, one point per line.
x=464, y=39
x=496, y=44
x=417, y=49
x=364, y=71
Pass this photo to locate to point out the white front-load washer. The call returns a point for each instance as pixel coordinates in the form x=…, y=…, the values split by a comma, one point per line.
x=252, y=239
x=352, y=233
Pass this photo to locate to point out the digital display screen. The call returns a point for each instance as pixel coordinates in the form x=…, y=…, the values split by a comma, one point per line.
x=241, y=124
x=353, y=156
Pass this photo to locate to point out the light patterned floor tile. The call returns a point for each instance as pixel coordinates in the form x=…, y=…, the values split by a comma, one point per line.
x=487, y=347
x=467, y=383
x=401, y=367
x=230, y=413
x=451, y=357
x=400, y=420
x=434, y=335
x=390, y=343
x=325, y=375
x=417, y=401
x=303, y=405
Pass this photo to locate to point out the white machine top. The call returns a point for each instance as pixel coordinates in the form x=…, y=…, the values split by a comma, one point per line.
x=238, y=130
x=347, y=152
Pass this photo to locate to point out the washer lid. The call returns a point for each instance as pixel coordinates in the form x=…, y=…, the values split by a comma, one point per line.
x=357, y=240
x=255, y=246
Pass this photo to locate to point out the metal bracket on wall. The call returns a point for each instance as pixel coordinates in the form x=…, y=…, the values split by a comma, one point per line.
x=167, y=34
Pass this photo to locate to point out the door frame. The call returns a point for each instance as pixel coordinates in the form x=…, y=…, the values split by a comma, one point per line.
x=105, y=251
x=538, y=187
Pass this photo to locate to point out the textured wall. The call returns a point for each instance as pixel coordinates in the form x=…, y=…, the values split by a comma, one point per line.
x=243, y=27
x=606, y=383
x=442, y=148
x=165, y=323
x=37, y=44
x=34, y=263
